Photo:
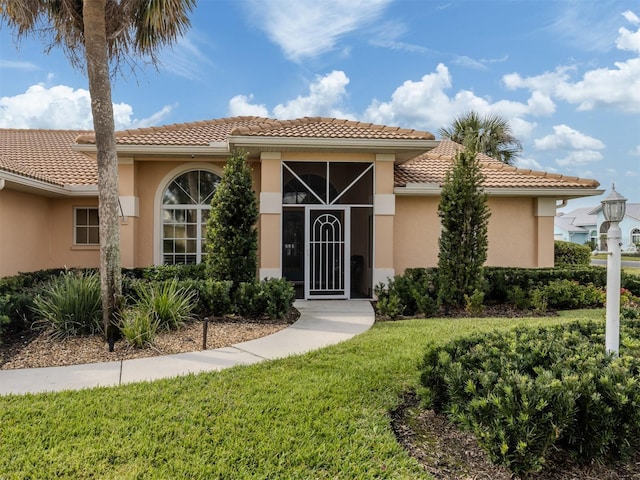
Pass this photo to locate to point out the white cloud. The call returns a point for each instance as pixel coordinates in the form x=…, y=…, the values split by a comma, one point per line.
x=185, y=59
x=326, y=95
x=579, y=158
x=635, y=151
x=426, y=104
x=62, y=107
x=579, y=149
x=241, y=105
x=631, y=17
x=307, y=28
x=617, y=86
x=565, y=137
x=528, y=163
x=13, y=65
x=628, y=40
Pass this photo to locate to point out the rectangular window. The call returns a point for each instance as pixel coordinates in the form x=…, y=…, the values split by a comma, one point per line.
x=86, y=226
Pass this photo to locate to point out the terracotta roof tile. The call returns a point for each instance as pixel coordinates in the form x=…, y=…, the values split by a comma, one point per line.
x=432, y=167
x=205, y=132
x=46, y=155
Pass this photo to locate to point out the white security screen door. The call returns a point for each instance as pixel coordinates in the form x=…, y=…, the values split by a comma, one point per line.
x=327, y=267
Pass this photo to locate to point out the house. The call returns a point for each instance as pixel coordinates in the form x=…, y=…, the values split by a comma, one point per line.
x=629, y=228
x=577, y=226
x=343, y=204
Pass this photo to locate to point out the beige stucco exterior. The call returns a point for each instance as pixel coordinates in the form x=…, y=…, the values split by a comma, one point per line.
x=406, y=228
x=520, y=232
x=45, y=238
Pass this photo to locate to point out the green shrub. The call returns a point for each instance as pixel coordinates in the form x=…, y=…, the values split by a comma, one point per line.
x=138, y=326
x=170, y=303
x=518, y=297
x=390, y=306
x=279, y=295
x=568, y=253
x=408, y=294
x=474, y=304
x=215, y=297
x=271, y=297
x=70, y=304
x=529, y=390
x=567, y=295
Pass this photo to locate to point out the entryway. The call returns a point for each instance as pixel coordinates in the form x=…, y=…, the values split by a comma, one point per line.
x=327, y=229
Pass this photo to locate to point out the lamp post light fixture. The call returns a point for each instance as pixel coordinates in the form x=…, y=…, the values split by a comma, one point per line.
x=613, y=208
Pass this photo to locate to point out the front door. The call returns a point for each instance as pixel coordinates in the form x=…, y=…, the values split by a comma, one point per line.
x=327, y=252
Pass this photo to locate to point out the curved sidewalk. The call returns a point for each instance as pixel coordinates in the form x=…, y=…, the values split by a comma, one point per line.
x=321, y=323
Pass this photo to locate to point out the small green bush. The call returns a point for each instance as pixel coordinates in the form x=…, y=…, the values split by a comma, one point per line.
x=568, y=253
x=139, y=326
x=566, y=295
x=170, y=303
x=279, y=295
x=270, y=297
x=474, y=303
x=408, y=294
x=70, y=304
x=215, y=297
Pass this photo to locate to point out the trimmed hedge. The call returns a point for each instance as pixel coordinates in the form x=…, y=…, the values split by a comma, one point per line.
x=527, y=391
x=568, y=253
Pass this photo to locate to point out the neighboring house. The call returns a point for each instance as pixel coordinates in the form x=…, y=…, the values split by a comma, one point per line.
x=343, y=204
x=577, y=226
x=629, y=228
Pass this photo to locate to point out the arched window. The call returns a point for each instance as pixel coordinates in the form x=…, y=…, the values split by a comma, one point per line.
x=635, y=236
x=185, y=209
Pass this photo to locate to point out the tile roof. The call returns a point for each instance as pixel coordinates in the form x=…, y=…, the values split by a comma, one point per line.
x=46, y=155
x=205, y=132
x=431, y=168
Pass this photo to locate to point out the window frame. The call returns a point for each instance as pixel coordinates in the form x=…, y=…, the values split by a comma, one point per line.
x=88, y=226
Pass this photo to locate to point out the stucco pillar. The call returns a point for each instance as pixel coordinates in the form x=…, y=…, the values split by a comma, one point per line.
x=129, y=211
x=545, y=212
x=384, y=213
x=270, y=215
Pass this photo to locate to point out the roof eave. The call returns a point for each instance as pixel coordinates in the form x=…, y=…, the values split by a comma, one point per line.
x=40, y=187
x=215, y=149
x=430, y=189
x=403, y=148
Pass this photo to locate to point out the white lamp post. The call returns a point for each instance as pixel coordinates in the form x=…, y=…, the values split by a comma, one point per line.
x=613, y=208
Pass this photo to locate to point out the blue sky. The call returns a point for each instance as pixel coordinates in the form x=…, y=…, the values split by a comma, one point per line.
x=565, y=73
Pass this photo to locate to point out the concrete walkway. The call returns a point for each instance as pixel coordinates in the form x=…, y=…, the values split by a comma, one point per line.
x=321, y=323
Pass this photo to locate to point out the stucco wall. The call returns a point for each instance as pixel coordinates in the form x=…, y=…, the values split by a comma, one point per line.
x=37, y=233
x=517, y=236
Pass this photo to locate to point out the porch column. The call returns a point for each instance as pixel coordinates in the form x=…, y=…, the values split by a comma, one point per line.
x=270, y=215
x=545, y=212
x=384, y=209
x=129, y=211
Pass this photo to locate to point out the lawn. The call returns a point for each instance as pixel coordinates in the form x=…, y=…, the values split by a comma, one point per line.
x=319, y=415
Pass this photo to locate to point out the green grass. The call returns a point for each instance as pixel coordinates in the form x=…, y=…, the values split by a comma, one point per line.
x=320, y=415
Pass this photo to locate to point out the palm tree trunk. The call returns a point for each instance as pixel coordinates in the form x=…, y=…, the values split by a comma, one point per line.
x=103, y=124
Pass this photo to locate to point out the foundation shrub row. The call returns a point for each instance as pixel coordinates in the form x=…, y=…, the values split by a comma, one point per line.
x=528, y=392
x=535, y=289
x=157, y=298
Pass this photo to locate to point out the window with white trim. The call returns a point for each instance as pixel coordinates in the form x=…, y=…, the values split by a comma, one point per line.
x=635, y=236
x=86, y=226
x=186, y=203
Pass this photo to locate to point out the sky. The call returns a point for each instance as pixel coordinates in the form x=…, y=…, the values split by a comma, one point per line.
x=566, y=74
